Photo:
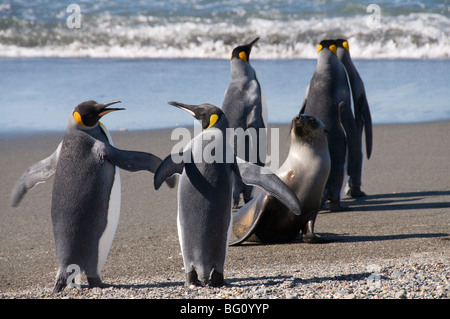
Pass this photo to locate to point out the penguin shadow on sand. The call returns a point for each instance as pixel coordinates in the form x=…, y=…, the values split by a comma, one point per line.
x=405, y=201
x=395, y=201
x=162, y=284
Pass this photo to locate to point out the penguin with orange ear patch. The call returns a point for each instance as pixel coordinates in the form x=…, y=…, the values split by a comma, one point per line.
x=204, y=216
x=363, y=119
x=328, y=99
x=86, y=191
x=245, y=108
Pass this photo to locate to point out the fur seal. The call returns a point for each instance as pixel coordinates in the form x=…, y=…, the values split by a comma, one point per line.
x=305, y=171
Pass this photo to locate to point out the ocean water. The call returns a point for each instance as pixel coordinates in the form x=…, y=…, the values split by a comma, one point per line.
x=56, y=54
x=39, y=93
x=210, y=29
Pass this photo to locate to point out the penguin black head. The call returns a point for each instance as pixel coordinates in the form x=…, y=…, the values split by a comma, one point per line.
x=243, y=51
x=343, y=44
x=327, y=44
x=207, y=114
x=89, y=113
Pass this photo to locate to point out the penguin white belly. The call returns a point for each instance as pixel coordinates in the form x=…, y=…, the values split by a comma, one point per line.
x=179, y=228
x=107, y=237
x=180, y=238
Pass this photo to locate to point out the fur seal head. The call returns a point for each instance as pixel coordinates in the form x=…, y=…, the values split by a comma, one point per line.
x=307, y=129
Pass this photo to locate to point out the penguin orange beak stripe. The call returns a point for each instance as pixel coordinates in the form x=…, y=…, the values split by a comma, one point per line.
x=106, y=111
x=109, y=111
x=183, y=107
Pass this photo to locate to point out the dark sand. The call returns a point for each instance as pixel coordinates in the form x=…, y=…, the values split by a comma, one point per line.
x=407, y=211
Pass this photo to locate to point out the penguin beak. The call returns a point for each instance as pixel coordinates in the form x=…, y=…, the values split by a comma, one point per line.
x=204, y=113
x=253, y=42
x=250, y=46
x=104, y=110
x=185, y=107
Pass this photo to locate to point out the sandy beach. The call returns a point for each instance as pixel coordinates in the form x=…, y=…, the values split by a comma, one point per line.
x=398, y=232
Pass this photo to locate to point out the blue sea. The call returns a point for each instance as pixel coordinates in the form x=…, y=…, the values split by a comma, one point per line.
x=56, y=54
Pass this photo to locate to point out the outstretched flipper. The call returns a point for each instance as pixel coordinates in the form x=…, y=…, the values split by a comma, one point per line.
x=134, y=161
x=35, y=174
x=166, y=170
x=262, y=177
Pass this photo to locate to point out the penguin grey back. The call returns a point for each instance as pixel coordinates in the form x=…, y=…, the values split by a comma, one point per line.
x=328, y=99
x=81, y=191
x=86, y=192
x=244, y=107
x=363, y=117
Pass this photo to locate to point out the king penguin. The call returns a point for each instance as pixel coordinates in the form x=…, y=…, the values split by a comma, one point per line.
x=361, y=111
x=86, y=194
x=328, y=99
x=204, y=217
x=245, y=108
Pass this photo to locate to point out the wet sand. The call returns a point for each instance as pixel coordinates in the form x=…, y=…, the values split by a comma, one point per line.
x=406, y=213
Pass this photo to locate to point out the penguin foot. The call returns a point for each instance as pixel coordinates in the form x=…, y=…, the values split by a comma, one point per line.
x=59, y=286
x=335, y=206
x=314, y=239
x=356, y=192
x=192, y=280
x=217, y=279
x=95, y=282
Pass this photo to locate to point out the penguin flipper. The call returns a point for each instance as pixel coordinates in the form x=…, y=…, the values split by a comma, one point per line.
x=262, y=177
x=367, y=121
x=134, y=161
x=131, y=160
x=166, y=170
x=353, y=142
x=35, y=174
x=368, y=133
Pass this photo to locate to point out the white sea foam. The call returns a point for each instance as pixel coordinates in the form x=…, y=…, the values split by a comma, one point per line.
x=416, y=35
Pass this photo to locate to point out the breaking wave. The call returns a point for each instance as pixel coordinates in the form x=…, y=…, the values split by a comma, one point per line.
x=210, y=29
